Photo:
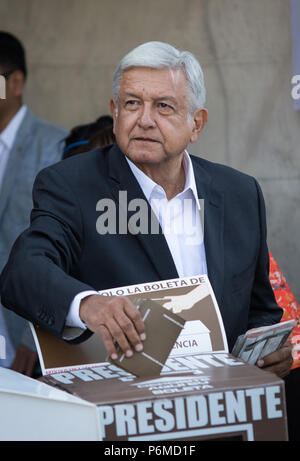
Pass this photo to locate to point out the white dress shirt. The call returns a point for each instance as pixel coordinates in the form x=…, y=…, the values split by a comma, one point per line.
x=7, y=139
x=180, y=221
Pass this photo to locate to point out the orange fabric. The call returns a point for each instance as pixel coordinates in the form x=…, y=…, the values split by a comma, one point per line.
x=287, y=301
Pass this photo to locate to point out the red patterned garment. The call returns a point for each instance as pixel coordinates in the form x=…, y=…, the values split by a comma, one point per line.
x=287, y=301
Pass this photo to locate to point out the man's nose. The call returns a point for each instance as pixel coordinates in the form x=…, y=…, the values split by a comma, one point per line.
x=146, y=119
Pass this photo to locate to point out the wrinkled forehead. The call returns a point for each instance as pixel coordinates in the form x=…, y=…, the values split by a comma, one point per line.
x=157, y=81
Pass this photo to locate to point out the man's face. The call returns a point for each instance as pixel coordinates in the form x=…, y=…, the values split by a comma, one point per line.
x=151, y=121
x=4, y=102
x=14, y=85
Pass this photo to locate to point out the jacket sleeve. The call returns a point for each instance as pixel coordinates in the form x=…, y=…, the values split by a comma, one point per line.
x=35, y=282
x=264, y=309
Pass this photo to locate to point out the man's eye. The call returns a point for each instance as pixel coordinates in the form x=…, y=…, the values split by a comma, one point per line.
x=165, y=107
x=132, y=103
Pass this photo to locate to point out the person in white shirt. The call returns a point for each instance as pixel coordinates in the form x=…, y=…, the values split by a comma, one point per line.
x=27, y=144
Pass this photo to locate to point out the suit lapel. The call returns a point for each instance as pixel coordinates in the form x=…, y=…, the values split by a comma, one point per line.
x=213, y=227
x=154, y=244
x=15, y=160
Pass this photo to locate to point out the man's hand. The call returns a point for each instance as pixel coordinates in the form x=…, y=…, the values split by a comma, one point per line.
x=115, y=319
x=279, y=362
x=25, y=360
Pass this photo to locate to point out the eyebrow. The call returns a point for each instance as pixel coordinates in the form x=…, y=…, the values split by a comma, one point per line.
x=163, y=98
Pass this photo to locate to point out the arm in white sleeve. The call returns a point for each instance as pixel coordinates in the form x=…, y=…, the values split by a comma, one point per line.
x=73, y=320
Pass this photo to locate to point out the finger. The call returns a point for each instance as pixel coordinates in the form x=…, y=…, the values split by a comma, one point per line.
x=18, y=363
x=281, y=369
x=28, y=368
x=281, y=355
x=107, y=341
x=118, y=335
x=129, y=330
x=133, y=313
x=278, y=362
x=30, y=365
x=28, y=360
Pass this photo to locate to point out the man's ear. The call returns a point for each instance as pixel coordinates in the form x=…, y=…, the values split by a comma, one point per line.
x=113, y=111
x=200, y=118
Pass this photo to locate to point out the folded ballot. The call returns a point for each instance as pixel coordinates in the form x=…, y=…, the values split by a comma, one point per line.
x=259, y=342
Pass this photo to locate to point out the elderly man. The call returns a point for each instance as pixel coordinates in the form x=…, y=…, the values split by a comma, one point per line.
x=57, y=265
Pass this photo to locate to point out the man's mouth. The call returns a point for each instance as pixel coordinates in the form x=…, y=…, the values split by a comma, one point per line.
x=143, y=139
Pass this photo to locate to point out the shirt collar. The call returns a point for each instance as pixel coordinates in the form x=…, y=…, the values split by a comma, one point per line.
x=148, y=186
x=9, y=133
x=190, y=182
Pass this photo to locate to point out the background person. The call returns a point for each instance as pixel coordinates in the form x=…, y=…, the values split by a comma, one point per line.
x=86, y=137
x=291, y=311
x=27, y=145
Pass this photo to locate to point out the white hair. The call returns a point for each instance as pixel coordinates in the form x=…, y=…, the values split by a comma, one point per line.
x=159, y=55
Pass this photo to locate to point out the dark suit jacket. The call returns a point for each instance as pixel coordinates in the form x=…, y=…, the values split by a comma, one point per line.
x=62, y=253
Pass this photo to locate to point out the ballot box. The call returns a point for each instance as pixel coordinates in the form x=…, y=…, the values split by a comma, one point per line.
x=34, y=411
x=196, y=391
x=212, y=396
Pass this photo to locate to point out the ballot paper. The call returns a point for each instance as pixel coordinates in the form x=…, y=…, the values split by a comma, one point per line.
x=156, y=347
x=259, y=342
x=191, y=299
